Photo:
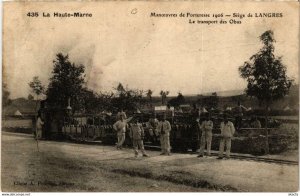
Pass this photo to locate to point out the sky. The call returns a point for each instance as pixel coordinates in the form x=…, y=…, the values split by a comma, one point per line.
x=140, y=51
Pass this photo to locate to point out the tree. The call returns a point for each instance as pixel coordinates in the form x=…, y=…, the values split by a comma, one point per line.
x=163, y=95
x=149, y=95
x=66, y=83
x=265, y=74
x=5, y=95
x=177, y=101
x=89, y=101
x=120, y=89
x=30, y=97
x=128, y=99
x=37, y=87
x=105, y=100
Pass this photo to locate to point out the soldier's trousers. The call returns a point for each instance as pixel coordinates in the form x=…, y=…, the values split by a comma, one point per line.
x=165, y=143
x=39, y=133
x=138, y=144
x=121, y=139
x=206, y=138
x=225, y=141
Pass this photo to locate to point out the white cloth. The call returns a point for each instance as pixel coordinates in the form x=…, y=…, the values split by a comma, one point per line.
x=39, y=123
x=164, y=129
x=206, y=136
x=136, y=131
x=164, y=126
x=120, y=126
x=227, y=130
x=225, y=142
x=207, y=125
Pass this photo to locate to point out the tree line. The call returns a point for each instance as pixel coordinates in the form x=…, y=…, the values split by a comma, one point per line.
x=264, y=72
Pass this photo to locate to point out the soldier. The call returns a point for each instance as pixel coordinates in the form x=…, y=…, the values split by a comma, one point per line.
x=164, y=129
x=119, y=114
x=227, y=131
x=39, y=126
x=137, y=136
x=153, y=122
x=120, y=127
x=206, y=136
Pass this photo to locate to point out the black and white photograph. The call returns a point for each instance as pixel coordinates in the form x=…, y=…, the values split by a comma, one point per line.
x=150, y=96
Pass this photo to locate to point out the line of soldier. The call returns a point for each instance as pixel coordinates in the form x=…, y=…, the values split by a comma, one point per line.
x=137, y=134
x=163, y=129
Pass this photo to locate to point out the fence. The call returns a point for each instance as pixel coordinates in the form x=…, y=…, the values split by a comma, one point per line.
x=184, y=137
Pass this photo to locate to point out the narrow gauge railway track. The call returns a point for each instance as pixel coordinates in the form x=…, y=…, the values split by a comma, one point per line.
x=233, y=156
x=242, y=157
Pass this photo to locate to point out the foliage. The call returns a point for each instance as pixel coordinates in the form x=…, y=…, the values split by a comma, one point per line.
x=179, y=100
x=265, y=73
x=5, y=95
x=37, y=87
x=127, y=99
x=30, y=97
x=105, y=100
x=66, y=82
x=149, y=95
x=163, y=95
x=89, y=101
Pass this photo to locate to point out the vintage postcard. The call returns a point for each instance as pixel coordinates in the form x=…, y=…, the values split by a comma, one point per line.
x=150, y=96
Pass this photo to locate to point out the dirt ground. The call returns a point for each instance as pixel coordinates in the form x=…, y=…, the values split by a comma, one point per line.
x=64, y=166
x=52, y=169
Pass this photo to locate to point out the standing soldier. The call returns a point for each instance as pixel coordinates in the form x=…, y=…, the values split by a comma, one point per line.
x=153, y=122
x=206, y=136
x=120, y=127
x=137, y=136
x=164, y=129
x=121, y=113
x=227, y=131
x=39, y=126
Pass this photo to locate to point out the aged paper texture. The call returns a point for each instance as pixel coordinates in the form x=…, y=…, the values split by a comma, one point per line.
x=71, y=70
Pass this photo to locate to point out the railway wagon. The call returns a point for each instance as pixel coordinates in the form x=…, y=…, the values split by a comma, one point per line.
x=185, y=133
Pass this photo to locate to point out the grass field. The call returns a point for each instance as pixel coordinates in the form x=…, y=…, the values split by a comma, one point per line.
x=24, y=123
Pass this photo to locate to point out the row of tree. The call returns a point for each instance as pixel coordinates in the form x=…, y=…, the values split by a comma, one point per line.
x=68, y=83
x=265, y=74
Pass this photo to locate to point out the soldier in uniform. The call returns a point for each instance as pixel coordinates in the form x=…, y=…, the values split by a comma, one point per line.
x=137, y=135
x=121, y=113
x=153, y=122
x=39, y=126
x=227, y=131
x=164, y=129
x=206, y=136
x=120, y=127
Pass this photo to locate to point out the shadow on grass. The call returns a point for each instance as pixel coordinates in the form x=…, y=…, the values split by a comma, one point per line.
x=177, y=177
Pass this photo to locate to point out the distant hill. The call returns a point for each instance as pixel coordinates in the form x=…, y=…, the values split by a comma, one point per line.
x=226, y=98
x=230, y=98
x=24, y=106
x=227, y=93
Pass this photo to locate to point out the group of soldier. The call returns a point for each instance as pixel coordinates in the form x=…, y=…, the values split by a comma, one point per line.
x=163, y=128
x=137, y=133
x=227, y=132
